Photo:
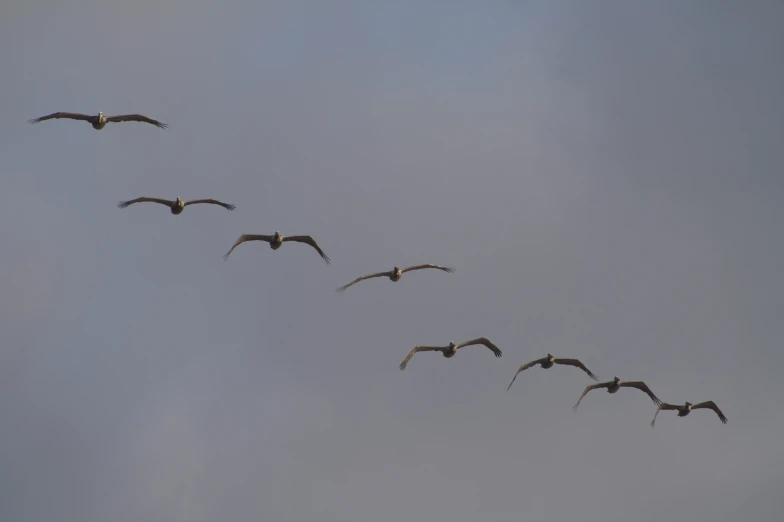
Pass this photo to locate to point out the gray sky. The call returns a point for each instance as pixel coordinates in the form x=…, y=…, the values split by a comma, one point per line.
x=605, y=176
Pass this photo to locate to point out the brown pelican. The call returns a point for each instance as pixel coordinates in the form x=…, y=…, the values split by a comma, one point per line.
x=275, y=242
x=98, y=122
x=450, y=349
x=548, y=362
x=687, y=407
x=615, y=385
x=395, y=274
x=176, y=206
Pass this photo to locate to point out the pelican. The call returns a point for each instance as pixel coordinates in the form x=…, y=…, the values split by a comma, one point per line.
x=275, y=242
x=548, y=362
x=687, y=407
x=450, y=350
x=615, y=385
x=100, y=121
x=176, y=206
x=395, y=274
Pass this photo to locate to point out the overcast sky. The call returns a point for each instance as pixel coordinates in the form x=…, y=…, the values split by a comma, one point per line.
x=606, y=177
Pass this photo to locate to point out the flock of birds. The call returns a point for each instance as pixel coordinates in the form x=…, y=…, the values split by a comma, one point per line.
x=276, y=241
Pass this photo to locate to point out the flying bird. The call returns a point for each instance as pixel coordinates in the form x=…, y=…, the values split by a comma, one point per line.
x=394, y=275
x=276, y=241
x=176, y=206
x=615, y=385
x=100, y=121
x=450, y=349
x=687, y=408
x=548, y=362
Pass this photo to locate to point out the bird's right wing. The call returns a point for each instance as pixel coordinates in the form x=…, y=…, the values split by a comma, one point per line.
x=69, y=115
x=523, y=367
x=663, y=406
x=123, y=204
x=589, y=388
x=419, y=349
x=362, y=278
x=421, y=267
x=246, y=237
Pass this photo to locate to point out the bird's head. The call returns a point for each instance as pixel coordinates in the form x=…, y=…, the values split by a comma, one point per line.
x=616, y=379
x=688, y=405
x=550, y=357
x=396, y=270
x=179, y=202
x=100, y=114
x=452, y=345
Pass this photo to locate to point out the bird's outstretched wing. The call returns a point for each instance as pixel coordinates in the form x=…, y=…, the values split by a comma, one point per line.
x=212, y=202
x=592, y=387
x=362, y=278
x=641, y=386
x=419, y=349
x=69, y=115
x=421, y=267
x=308, y=241
x=137, y=117
x=483, y=341
x=123, y=204
x=578, y=364
x=246, y=237
x=664, y=406
x=711, y=406
x=522, y=368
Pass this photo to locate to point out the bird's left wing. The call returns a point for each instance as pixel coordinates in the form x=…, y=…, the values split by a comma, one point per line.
x=421, y=267
x=711, y=406
x=484, y=341
x=212, y=202
x=137, y=117
x=308, y=241
x=644, y=387
x=578, y=364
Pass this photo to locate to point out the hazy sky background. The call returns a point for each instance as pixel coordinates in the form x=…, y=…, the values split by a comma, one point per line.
x=605, y=176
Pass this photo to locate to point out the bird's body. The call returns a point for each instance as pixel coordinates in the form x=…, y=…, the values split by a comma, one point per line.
x=450, y=350
x=99, y=122
x=687, y=407
x=548, y=362
x=275, y=241
x=615, y=385
x=395, y=274
x=177, y=206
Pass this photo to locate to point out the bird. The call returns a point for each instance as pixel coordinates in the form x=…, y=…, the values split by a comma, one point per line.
x=687, y=408
x=176, y=206
x=100, y=121
x=276, y=241
x=395, y=274
x=615, y=385
x=450, y=349
x=548, y=362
